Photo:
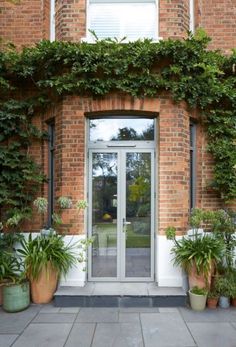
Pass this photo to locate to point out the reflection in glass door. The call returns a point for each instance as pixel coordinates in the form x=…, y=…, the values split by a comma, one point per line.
x=104, y=215
x=121, y=220
x=138, y=215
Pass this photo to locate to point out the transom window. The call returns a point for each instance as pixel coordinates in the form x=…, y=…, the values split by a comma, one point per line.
x=121, y=129
x=132, y=19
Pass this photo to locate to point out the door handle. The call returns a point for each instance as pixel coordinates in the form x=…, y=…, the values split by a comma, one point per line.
x=124, y=224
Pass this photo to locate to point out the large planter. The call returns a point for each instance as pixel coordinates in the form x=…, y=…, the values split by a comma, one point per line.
x=16, y=297
x=199, y=280
x=224, y=302
x=197, y=302
x=43, y=288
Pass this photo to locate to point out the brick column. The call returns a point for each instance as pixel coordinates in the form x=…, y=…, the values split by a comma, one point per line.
x=70, y=19
x=173, y=166
x=173, y=18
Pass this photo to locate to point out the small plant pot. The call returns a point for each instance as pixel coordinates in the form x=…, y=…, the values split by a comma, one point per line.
x=16, y=297
x=212, y=303
x=197, y=302
x=224, y=302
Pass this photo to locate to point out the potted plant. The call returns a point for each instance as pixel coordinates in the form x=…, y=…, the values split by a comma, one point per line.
x=7, y=246
x=224, y=287
x=197, y=253
x=16, y=295
x=198, y=297
x=47, y=256
x=212, y=299
x=233, y=295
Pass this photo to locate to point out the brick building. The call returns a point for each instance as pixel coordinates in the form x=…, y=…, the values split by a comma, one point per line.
x=102, y=149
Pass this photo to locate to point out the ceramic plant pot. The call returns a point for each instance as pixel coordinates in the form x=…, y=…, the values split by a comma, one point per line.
x=43, y=288
x=16, y=297
x=224, y=302
x=197, y=302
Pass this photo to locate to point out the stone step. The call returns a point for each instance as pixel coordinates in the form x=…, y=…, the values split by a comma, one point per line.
x=120, y=295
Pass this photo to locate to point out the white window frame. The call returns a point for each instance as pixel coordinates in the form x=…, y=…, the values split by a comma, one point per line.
x=191, y=16
x=88, y=36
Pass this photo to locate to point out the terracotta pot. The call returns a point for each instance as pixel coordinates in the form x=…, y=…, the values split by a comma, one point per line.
x=233, y=302
x=199, y=280
x=212, y=302
x=44, y=287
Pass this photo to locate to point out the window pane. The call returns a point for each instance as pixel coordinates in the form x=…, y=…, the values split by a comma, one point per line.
x=133, y=129
x=123, y=20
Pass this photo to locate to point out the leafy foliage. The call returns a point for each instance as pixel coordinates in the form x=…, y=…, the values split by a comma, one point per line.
x=41, y=251
x=36, y=77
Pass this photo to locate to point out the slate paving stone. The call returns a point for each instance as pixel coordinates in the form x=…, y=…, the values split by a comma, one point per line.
x=208, y=315
x=55, y=318
x=162, y=330
x=168, y=309
x=118, y=335
x=81, y=335
x=14, y=323
x=49, y=308
x=44, y=335
x=139, y=309
x=129, y=317
x=100, y=315
x=213, y=334
x=7, y=340
x=69, y=310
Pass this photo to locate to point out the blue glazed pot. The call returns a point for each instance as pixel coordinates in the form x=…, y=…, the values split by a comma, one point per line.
x=224, y=302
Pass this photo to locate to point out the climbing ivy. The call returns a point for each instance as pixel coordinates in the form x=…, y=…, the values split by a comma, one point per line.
x=38, y=76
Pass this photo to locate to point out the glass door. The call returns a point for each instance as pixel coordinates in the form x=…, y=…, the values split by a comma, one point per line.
x=121, y=200
x=137, y=215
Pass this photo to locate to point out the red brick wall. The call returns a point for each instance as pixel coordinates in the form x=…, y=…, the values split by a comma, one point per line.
x=173, y=18
x=218, y=18
x=24, y=23
x=172, y=152
x=70, y=20
x=173, y=165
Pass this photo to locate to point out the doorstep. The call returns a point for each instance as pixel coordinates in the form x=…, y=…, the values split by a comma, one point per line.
x=110, y=294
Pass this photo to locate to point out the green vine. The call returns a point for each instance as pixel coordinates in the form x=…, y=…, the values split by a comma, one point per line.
x=39, y=76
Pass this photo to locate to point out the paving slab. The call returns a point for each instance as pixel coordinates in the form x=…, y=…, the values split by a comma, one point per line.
x=97, y=315
x=15, y=323
x=7, y=340
x=129, y=317
x=213, y=334
x=139, y=309
x=49, y=308
x=118, y=335
x=69, y=310
x=168, y=309
x=54, y=318
x=162, y=330
x=208, y=315
x=81, y=335
x=44, y=335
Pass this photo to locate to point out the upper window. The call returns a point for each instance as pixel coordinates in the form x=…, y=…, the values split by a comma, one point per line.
x=121, y=129
x=132, y=19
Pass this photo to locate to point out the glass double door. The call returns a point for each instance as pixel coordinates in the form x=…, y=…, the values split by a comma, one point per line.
x=121, y=217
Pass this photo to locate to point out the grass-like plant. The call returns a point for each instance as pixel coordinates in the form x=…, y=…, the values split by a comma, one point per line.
x=39, y=252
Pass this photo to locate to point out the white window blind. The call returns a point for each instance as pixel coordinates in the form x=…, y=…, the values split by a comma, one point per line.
x=133, y=20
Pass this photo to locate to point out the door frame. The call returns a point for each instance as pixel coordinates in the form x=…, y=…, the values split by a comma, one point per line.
x=121, y=209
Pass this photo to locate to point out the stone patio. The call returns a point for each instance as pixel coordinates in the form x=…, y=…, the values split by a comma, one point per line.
x=47, y=325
